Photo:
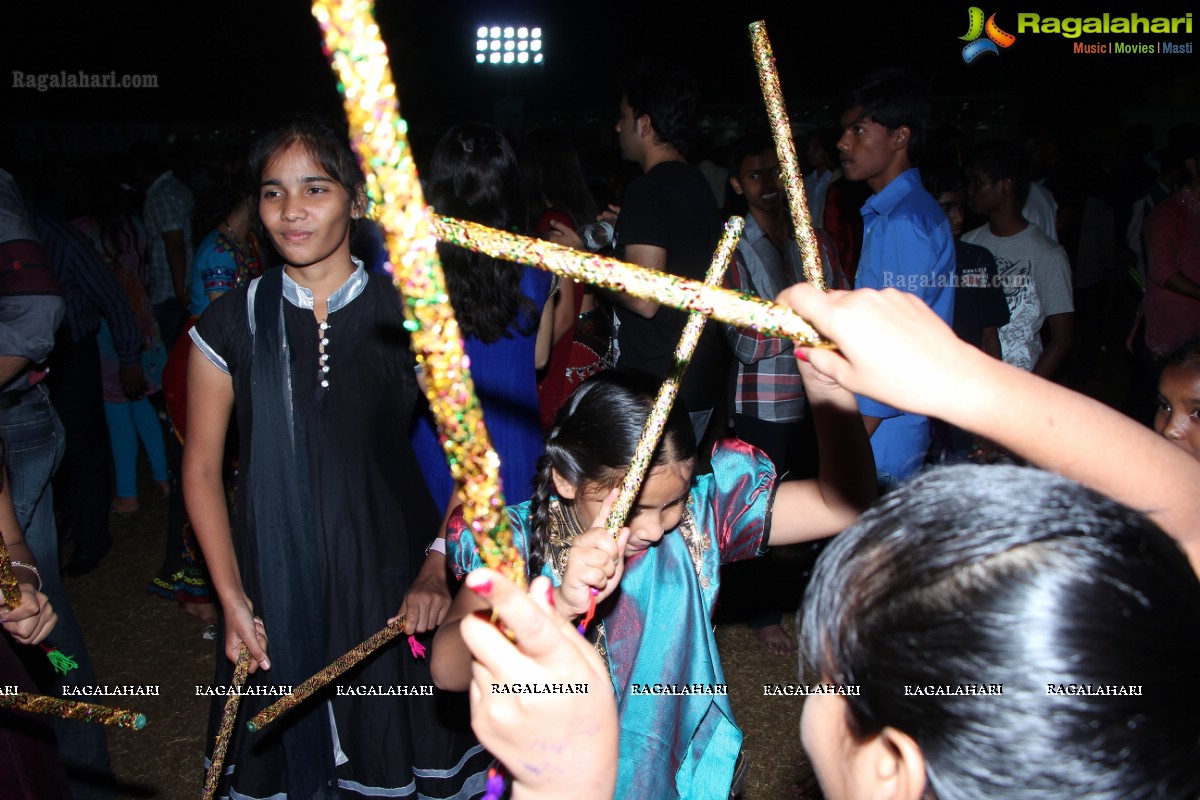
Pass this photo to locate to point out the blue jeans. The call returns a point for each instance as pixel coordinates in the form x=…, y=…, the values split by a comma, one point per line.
x=35, y=447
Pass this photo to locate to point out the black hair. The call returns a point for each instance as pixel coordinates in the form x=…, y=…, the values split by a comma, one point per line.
x=1004, y=161
x=473, y=176
x=942, y=177
x=593, y=440
x=326, y=146
x=1187, y=355
x=552, y=174
x=667, y=94
x=748, y=145
x=1009, y=575
x=895, y=98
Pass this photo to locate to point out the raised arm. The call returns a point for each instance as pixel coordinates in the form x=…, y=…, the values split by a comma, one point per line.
x=891, y=346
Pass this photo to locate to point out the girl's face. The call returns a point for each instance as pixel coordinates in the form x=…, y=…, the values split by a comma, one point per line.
x=1178, y=416
x=306, y=212
x=657, y=511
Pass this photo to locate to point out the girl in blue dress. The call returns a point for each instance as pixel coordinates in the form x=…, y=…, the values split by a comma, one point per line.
x=499, y=307
x=658, y=582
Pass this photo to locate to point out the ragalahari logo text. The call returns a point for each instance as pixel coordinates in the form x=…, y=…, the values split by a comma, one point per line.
x=976, y=27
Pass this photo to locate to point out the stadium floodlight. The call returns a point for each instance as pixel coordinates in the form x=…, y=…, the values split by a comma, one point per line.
x=508, y=45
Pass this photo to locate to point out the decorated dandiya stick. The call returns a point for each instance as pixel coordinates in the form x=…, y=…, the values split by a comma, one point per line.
x=70, y=709
x=672, y=291
x=643, y=454
x=329, y=674
x=8, y=579
x=379, y=135
x=225, y=731
x=785, y=149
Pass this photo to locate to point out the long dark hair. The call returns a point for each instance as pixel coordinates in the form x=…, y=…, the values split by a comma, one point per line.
x=593, y=440
x=473, y=176
x=553, y=176
x=1012, y=576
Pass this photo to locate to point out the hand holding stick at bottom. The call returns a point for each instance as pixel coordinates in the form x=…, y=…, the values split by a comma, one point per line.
x=553, y=745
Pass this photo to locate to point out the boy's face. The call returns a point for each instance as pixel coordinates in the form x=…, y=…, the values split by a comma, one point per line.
x=871, y=152
x=984, y=196
x=758, y=181
x=952, y=204
x=1178, y=415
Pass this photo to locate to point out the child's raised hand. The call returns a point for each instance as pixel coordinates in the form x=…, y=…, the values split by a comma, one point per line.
x=596, y=561
x=554, y=745
x=891, y=346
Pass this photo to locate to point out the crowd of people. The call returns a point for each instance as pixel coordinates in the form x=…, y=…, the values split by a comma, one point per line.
x=979, y=521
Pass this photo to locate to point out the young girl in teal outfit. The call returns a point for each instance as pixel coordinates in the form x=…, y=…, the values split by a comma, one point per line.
x=678, y=735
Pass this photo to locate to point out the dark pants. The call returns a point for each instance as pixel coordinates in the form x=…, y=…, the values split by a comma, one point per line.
x=83, y=484
x=792, y=448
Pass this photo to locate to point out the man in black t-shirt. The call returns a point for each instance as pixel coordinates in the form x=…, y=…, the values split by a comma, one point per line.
x=668, y=222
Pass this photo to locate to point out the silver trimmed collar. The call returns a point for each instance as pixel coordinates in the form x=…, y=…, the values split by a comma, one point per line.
x=301, y=297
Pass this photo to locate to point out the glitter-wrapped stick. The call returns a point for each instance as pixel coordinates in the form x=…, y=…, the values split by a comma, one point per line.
x=69, y=709
x=8, y=579
x=643, y=454
x=221, y=745
x=317, y=682
x=785, y=149
x=714, y=302
x=379, y=135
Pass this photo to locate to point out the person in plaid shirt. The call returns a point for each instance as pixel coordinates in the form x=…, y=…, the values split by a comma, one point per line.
x=769, y=404
x=770, y=409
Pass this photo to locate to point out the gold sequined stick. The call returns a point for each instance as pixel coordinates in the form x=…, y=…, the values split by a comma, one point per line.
x=324, y=677
x=69, y=709
x=8, y=579
x=668, y=290
x=225, y=731
x=379, y=136
x=643, y=454
x=785, y=149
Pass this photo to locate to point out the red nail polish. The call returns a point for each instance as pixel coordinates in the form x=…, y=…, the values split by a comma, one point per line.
x=483, y=589
x=550, y=595
x=800, y=356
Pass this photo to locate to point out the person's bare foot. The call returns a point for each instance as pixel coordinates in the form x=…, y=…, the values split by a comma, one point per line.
x=164, y=488
x=125, y=505
x=205, y=612
x=775, y=640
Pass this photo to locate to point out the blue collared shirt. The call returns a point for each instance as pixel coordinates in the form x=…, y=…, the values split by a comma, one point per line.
x=907, y=245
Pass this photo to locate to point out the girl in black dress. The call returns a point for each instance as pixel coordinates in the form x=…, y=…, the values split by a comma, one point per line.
x=332, y=514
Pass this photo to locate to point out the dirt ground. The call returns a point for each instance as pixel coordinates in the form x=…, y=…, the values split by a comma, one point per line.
x=137, y=638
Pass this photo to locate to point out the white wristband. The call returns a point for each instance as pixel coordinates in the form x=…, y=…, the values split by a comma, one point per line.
x=438, y=545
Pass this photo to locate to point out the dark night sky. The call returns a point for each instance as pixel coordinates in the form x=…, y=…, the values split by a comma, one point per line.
x=252, y=60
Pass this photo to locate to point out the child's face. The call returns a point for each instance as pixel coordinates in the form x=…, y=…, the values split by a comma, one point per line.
x=1178, y=415
x=758, y=182
x=657, y=511
x=306, y=212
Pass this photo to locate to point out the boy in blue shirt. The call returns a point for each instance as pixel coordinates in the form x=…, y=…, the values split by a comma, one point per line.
x=907, y=242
